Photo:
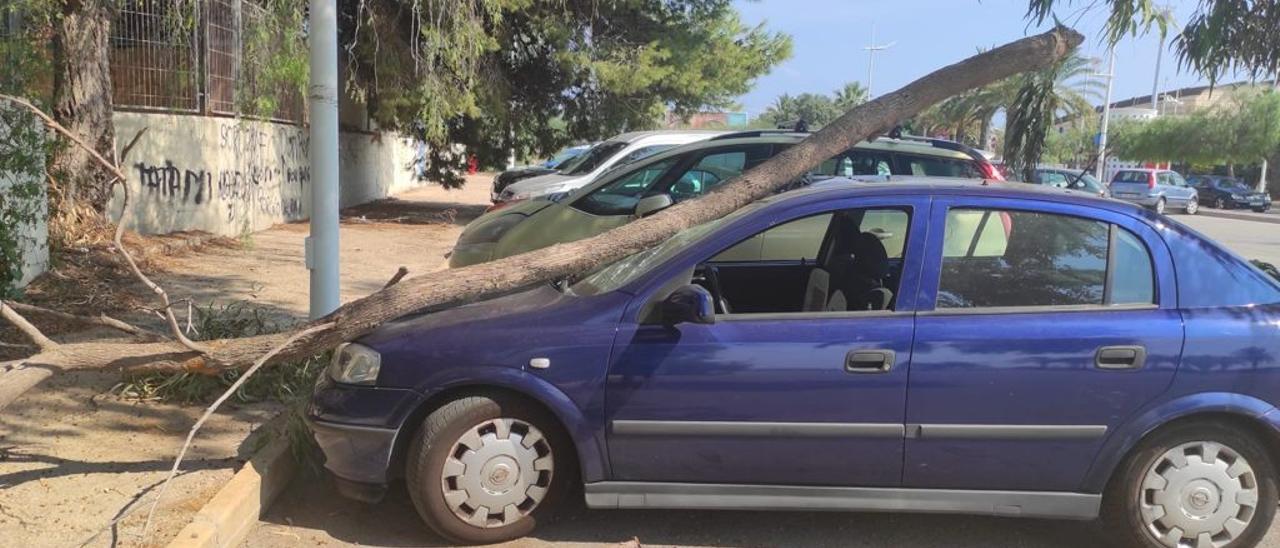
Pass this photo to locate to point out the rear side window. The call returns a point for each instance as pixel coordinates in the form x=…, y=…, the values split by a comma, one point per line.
x=936, y=166
x=998, y=259
x=1131, y=177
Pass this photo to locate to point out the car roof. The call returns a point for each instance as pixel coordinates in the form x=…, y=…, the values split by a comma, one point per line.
x=838, y=187
x=881, y=143
x=675, y=134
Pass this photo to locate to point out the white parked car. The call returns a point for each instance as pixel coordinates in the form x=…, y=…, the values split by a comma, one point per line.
x=619, y=150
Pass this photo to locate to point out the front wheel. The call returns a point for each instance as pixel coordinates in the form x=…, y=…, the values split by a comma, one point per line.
x=1192, y=485
x=484, y=469
x=1219, y=203
x=1193, y=207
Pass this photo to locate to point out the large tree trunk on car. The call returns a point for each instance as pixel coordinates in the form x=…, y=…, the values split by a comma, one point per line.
x=439, y=290
x=82, y=99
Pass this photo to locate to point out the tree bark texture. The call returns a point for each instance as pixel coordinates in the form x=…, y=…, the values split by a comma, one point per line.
x=82, y=99
x=449, y=288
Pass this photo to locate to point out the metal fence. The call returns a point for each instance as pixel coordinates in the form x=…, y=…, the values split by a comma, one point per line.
x=154, y=55
x=189, y=56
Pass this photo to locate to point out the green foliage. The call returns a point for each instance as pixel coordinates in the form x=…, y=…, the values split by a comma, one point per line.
x=1221, y=37
x=1074, y=146
x=815, y=109
x=1044, y=96
x=284, y=382
x=1241, y=131
x=24, y=71
x=493, y=74
x=1269, y=268
x=275, y=48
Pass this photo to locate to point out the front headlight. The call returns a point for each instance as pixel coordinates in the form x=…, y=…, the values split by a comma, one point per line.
x=1237, y=197
x=490, y=231
x=355, y=364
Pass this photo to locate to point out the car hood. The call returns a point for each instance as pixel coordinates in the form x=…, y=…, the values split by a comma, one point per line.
x=414, y=326
x=524, y=173
x=540, y=182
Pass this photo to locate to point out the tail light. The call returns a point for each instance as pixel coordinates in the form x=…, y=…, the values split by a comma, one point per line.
x=1151, y=179
x=989, y=171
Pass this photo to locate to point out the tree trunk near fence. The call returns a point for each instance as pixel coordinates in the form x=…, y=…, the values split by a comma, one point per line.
x=439, y=290
x=82, y=100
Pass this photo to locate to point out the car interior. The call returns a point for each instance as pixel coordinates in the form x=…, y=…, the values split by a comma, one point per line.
x=806, y=266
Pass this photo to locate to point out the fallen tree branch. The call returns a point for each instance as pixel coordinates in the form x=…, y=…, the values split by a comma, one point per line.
x=101, y=320
x=146, y=526
x=399, y=275
x=455, y=287
x=30, y=331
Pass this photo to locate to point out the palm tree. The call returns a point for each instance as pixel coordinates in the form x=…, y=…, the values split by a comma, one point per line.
x=851, y=95
x=1042, y=97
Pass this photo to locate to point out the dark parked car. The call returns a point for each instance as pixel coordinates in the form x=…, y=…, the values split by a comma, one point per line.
x=933, y=346
x=560, y=160
x=1223, y=192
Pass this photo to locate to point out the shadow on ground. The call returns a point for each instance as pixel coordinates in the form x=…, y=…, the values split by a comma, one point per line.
x=313, y=513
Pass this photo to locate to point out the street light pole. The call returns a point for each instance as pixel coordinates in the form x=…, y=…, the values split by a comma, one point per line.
x=321, y=245
x=1101, y=169
x=871, y=57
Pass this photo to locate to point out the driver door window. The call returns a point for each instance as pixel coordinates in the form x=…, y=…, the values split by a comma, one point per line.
x=846, y=261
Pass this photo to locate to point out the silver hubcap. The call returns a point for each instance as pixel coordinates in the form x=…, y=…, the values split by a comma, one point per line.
x=1192, y=207
x=1198, y=495
x=1160, y=206
x=497, y=473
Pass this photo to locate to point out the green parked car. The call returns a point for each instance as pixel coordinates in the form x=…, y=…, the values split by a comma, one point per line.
x=617, y=197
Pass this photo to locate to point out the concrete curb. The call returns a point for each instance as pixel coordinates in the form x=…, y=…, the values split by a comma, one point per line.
x=230, y=515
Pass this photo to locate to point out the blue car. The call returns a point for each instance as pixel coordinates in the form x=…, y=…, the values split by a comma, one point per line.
x=913, y=346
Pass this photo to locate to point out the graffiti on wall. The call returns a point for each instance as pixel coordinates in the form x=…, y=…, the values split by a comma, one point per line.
x=254, y=169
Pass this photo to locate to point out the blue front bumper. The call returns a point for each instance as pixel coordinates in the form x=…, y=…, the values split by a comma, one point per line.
x=358, y=429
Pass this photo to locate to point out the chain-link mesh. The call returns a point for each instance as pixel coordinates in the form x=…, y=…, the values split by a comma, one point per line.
x=155, y=55
x=222, y=55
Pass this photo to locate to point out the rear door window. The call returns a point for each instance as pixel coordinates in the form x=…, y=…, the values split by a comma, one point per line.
x=1000, y=259
x=937, y=166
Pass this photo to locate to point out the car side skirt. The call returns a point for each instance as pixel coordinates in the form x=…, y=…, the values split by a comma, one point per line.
x=1031, y=504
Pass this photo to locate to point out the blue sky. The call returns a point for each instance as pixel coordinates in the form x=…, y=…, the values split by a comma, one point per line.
x=829, y=36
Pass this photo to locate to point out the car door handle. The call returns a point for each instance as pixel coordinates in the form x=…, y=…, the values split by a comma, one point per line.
x=1120, y=357
x=868, y=361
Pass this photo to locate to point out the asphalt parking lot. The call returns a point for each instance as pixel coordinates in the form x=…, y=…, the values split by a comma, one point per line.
x=311, y=513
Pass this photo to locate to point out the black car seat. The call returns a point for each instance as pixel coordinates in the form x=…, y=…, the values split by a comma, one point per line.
x=868, y=271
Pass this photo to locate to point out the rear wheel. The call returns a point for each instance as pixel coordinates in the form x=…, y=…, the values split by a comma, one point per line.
x=1219, y=203
x=485, y=469
x=1193, y=485
x=1159, y=207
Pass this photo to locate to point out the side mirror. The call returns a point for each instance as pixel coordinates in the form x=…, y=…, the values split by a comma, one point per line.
x=653, y=204
x=689, y=304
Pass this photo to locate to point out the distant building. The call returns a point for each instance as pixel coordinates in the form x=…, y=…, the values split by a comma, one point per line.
x=708, y=120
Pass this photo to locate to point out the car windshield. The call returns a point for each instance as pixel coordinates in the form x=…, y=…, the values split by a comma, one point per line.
x=563, y=158
x=1086, y=182
x=628, y=268
x=1233, y=186
x=592, y=159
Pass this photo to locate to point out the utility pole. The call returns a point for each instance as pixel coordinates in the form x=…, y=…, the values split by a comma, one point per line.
x=1101, y=169
x=871, y=57
x=1166, y=13
x=322, y=244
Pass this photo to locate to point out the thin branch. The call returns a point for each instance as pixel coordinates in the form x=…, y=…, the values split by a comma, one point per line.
x=24, y=326
x=102, y=320
x=124, y=214
x=400, y=274
x=146, y=526
x=129, y=147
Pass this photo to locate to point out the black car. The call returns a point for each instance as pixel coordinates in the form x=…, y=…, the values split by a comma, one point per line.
x=1226, y=192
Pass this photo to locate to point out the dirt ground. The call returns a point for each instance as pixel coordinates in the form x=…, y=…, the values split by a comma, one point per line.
x=74, y=457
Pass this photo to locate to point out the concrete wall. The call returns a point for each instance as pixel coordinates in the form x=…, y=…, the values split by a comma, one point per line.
x=231, y=177
x=32, y=237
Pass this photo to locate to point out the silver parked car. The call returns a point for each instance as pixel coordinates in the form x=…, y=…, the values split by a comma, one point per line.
x=1157, y=189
